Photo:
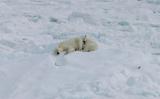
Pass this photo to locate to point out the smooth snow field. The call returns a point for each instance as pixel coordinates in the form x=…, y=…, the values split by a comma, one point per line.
x=125, y=66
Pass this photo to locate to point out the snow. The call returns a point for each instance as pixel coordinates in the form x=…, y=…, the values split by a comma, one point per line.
x=60, y=60
x=125, y=66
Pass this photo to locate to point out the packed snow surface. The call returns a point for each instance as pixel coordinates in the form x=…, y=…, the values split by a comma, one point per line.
x=125, y=66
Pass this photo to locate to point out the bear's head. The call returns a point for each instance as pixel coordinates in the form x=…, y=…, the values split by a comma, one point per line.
x=58, y=51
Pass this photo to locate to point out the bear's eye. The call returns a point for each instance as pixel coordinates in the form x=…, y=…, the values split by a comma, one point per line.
x=57, y=53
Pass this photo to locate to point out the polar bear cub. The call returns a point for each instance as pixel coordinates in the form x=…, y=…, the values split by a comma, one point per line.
x=83, y=43
x=70, y=45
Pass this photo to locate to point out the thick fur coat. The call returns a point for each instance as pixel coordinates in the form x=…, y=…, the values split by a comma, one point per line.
x=83, y=43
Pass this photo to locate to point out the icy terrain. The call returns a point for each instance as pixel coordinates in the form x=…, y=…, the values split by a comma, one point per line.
x=126, y=65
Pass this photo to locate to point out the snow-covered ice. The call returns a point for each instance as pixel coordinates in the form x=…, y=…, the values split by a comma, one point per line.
x=125, y=66
x=61, y=60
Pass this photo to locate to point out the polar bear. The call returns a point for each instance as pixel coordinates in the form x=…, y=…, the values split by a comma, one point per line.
x=82, y=43
x=71, y=45
x=89, y=44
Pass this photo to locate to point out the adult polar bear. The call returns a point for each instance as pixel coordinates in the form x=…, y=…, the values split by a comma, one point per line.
x=83, y=43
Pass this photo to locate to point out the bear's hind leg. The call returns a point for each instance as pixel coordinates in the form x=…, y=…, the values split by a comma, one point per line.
x=80, y=45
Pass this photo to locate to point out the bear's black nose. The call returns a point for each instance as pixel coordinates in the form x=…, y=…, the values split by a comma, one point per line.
x=57, y=53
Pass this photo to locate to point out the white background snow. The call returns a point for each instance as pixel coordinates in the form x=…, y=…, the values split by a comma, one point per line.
x=128, y=34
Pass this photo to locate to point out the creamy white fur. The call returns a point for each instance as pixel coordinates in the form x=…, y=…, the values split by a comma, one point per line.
x=90, y=44
x=70, y=45
x=85, y=44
